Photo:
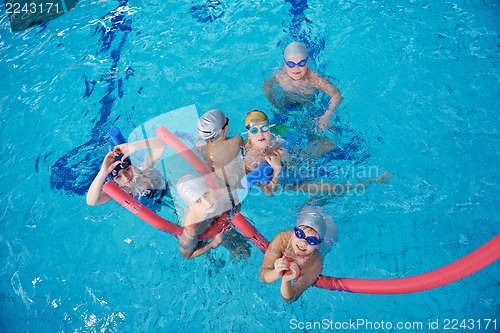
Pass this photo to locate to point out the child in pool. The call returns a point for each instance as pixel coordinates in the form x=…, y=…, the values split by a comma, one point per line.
x=293, y=255
x=205, y=205
x=262, y=146
x=221, y=153
x=138, y=182
x=299, y=84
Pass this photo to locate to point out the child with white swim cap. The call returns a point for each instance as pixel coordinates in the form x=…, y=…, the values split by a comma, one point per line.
x=221, y=153
x=293, y=254
x=299, y=85
x=205, y=206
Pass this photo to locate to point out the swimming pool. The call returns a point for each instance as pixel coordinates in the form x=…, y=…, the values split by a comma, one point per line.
x=420, y=86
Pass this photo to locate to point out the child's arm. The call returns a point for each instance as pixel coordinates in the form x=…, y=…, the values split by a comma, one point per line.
x=287, y=289
x=268, y=86
x=241, y=142
x=201, y=147
x=273, y=265
x=291, y=293
x=192, y=249
x=95, y=195
x=248, y=161
x=329, y=88
x=275, y=162
x=189, y=245
x=156, y=145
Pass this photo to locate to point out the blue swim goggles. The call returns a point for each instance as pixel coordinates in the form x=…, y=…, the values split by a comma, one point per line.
x=120, y=166
x=311, y=240
x=301, y=63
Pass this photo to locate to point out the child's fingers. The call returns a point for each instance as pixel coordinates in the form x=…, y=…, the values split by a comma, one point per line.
x=281, y=268
x=113, y=165
x=110, y=159
x=110, y=154
x=295, y=269
x=281, y=264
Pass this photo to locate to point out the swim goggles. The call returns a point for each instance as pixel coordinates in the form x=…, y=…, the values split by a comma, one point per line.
x=255, y=129
x=311, y=240
x=301, y=63
x=123, y=165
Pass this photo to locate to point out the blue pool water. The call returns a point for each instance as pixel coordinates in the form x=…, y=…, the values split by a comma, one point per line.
x=420, y=82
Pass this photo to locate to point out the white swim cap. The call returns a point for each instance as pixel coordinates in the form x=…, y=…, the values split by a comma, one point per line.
x=295, y=50
x=191, y=187
x=313, y=220
x=211, y=125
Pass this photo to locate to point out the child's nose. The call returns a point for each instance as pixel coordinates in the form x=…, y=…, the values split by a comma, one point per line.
x=206, y=203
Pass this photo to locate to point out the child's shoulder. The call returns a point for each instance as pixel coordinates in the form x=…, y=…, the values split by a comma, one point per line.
x=316, y=78
x=236, y=138
x=200, y=144
x=280, y=241
x=280, y=77
x=283, y=236
x=240, y=141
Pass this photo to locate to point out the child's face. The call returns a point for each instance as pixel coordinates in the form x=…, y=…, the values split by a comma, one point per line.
x=261, y=139
x=125, y=177
x=297, y=72
x=300, y=246
x=206, y=204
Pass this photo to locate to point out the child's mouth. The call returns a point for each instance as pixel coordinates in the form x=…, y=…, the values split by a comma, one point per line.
x=211, y=208
x=300, y=248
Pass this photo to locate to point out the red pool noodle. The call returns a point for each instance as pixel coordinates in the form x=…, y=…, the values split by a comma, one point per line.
x=471, y=263
x=249, y=230
x=170, y=139
x=144, y=213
